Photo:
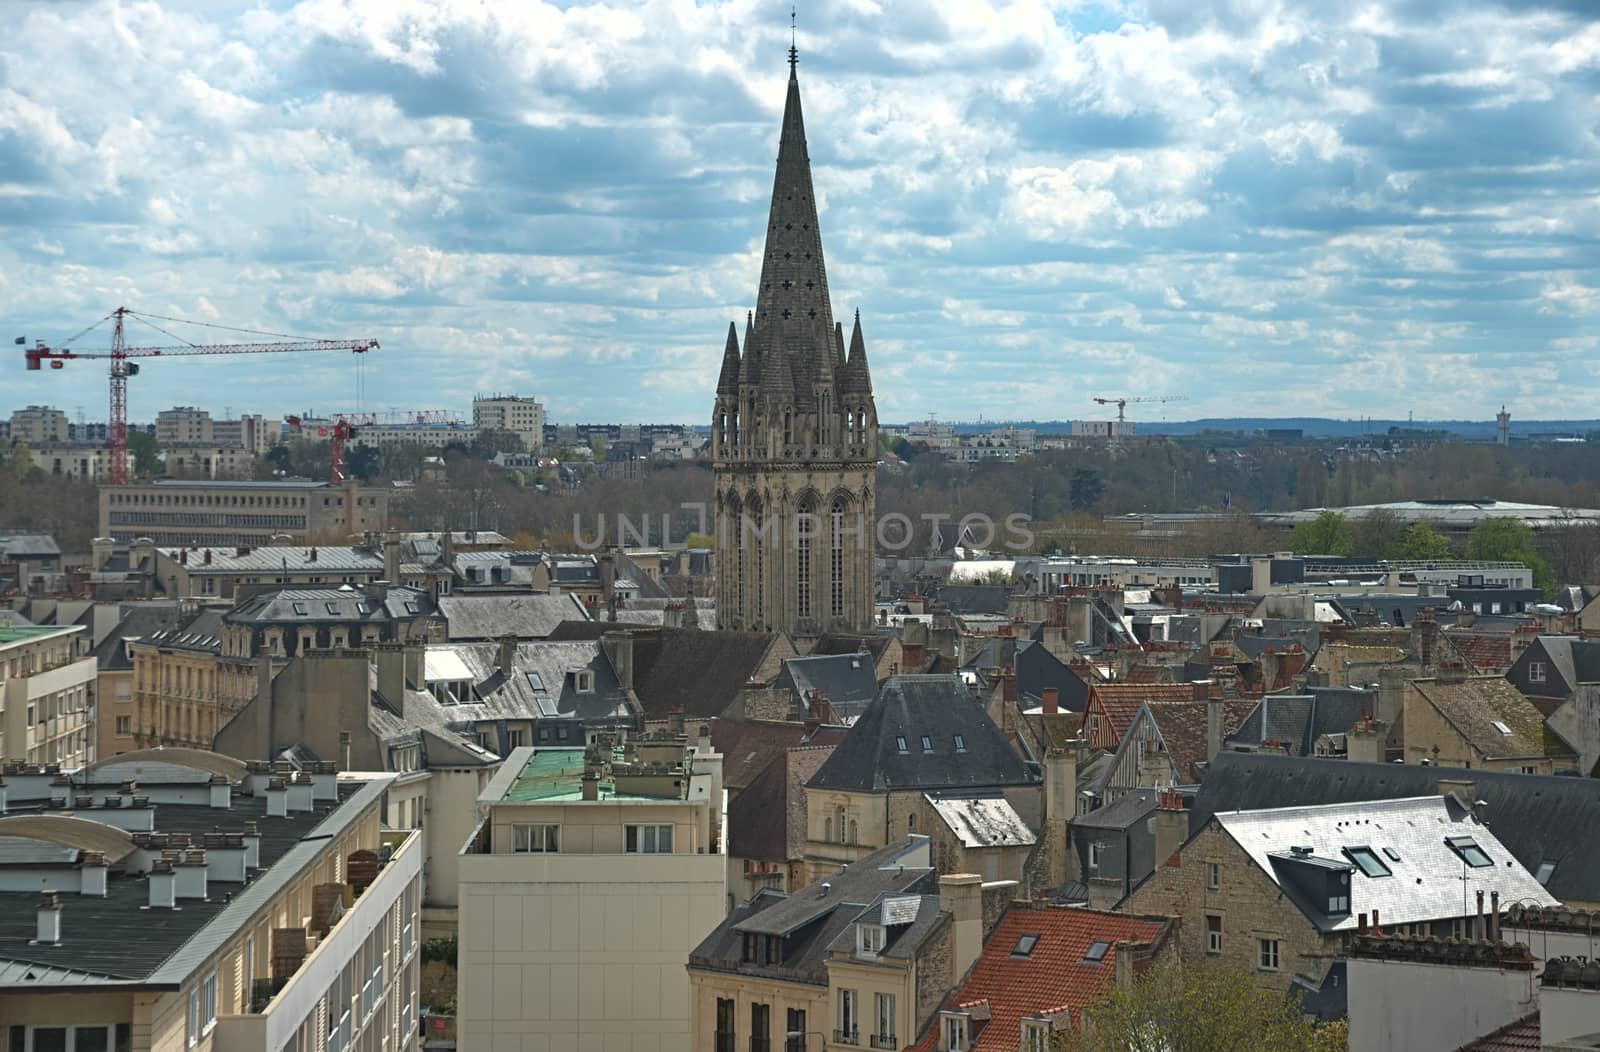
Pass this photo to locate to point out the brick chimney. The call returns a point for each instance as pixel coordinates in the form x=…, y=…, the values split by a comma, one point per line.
x=1008, y=683
x=1051, y=700
x=1214, y=728
x=1426, y=630
x=1169, y=825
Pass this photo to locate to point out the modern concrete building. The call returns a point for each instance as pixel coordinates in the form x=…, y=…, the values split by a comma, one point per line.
x=523, y=417
x=184, y=425
x=73, y=461
x=211, y=461
x=183, y=512
x=583, y=892
x=39, y=425
x=46, y=685
x=202, y=905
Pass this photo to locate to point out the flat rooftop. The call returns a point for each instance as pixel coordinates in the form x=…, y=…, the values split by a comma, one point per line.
x=118, y=939
x=12, y=633
x=555, y=776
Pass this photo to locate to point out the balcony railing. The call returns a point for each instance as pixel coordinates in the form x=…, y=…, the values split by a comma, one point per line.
x=887, y=1041
x=847, y=1037
x=726, y=1043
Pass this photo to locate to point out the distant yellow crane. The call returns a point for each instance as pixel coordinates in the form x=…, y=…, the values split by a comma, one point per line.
x=1123, y=403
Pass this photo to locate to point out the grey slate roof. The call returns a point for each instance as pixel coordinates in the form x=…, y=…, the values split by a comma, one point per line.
x=848, y=680
x=1298, y=720
x=28, y=546
x=138, y=621
x=538, y=686
x=1409, y=838
x=342, y=604
x=331, y=558
x=526, y=615
x=201, y=631
x=859, y=883
x=909, y=709
x=1538, y=818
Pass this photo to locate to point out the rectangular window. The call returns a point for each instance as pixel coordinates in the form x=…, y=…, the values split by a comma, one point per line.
x=795, y=1030
x=193, y=1027
x=1367, y=861
x=725, y=1025
x=927, y=743
x=1035, y=1036
x=124, y=726
x=1267, y=954
x=647, y=840
x=531, y=839
x=883, y=1015
x=1094, y=856
x=869, y=939
x=760, y=1028
x=1213, y=875
x=953, y=1036
x=1469, y=852
x=849, y=1022
x=1536, y=672
x=1213, y=933
x=961, y=744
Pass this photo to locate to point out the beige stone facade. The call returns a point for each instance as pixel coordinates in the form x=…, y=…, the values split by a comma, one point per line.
x=207, y=512
x=577, y=915
x=1227, y=907
x=46, y=695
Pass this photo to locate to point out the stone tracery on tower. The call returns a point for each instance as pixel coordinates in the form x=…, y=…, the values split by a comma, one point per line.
x=794, y=432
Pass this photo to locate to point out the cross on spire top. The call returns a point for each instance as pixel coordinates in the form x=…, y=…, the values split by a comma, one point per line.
x=794, y=52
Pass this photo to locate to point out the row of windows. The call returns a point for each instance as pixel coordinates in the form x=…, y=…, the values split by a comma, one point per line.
x=726, y=1035
x=180, y=518
x=636, y=840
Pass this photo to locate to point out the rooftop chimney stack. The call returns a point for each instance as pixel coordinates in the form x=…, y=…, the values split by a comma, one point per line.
x=163, y=885
x=221, y=792
x=92, y=874
x=277, y=799
x=49, y=922
x=252, y=846
x=192, y=874
x=1051, y=700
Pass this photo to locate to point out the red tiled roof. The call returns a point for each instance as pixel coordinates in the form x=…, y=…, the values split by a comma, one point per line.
x=1148, y=674
x=1183, y=728
x=1121, y=701
x=1052, y=977
x=1487, y=653
x=1521, y=1036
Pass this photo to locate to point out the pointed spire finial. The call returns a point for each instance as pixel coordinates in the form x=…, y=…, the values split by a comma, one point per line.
x=794, y=51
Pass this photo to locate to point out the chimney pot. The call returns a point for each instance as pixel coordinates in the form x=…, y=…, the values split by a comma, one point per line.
x=49, y=920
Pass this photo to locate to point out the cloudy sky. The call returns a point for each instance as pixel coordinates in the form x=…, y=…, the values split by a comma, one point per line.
x=1272, y=208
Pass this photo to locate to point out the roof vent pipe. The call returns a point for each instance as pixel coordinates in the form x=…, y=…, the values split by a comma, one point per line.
x=49, y=923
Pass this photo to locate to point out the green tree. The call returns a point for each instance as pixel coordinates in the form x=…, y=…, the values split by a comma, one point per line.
x=1423, y=543
x=1085, y=489
x=1379, y=534
x=1327, y=534
x=278, y=457
x=142, y=445
x=1507, y=540
x=364, y=462
x=1204, y=1007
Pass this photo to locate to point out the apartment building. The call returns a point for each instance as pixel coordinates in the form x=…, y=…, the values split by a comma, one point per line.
x=523, y=417
x=46, y=693
x=74, y=461
x=175, y=512
x=207, y=905
x=210, y=461
x=583, y=890
x=39, y=424
x=184, y=425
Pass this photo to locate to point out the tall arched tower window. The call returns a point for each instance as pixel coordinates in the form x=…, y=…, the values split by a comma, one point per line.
x=758, y=615
x=836, y=558
x=805, y=539
x=736, y=517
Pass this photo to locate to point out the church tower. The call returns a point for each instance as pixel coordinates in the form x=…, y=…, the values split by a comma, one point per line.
x=794, y=435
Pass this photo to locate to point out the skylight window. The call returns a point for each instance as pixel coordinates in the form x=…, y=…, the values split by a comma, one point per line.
x=535, y=681
x=927, y=743
x=1502, y=728
x=333, y=608
x=961, y=744
x=1367, y=861
x=1024, y=946
x=1470, y=852
x=1097, y=951
x=1394, y=856
x=300, y=608
x=900, y=743
x=1546, y=870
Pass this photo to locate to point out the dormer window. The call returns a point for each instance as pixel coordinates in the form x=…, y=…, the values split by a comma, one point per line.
x=953, y=1032
x=869, y=940
x=583, y=680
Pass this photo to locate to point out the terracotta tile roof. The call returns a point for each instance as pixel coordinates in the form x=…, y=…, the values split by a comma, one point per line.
x=1487, y=653
x=1054, y=976
x=1121, y=701
x=1147, y=674
x=1183, y=728
x=1334, y=657
x=1521, y=1036
x=1474, y=705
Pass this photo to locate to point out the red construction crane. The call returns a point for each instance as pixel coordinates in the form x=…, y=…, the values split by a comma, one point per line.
x=344, y=428
x=122, y=368
x=340, y=428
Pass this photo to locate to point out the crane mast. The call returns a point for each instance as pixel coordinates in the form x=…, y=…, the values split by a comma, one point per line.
x=122, y=366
